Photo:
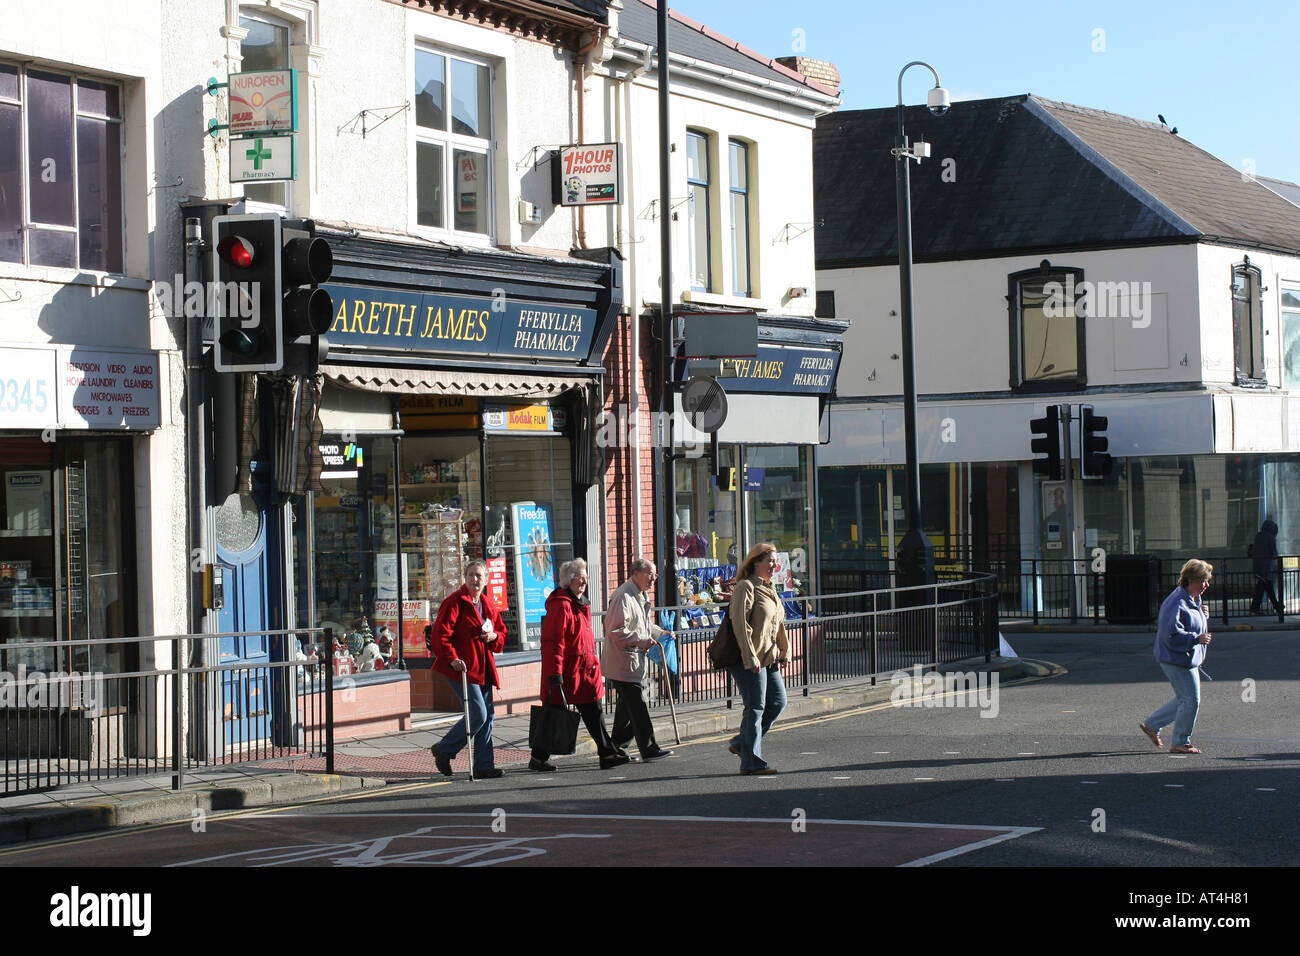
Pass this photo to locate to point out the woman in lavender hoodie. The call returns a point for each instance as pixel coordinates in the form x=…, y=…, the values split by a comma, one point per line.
x=1182, y=637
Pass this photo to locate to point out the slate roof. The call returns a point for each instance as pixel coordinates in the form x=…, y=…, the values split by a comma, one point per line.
x=1288, y=191
x=1029, y=175
x=688, y=38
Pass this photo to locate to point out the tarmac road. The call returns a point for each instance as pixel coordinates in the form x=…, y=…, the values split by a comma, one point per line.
x=1061, y=776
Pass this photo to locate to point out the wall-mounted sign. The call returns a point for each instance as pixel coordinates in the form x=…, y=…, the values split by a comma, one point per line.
x=474, y=325
x=108, y=389
x=263, y=102
x=781, y=370
x=341, y=460
x=27, y=388
x=517, y=418
x=263, y=159
x=587, y=175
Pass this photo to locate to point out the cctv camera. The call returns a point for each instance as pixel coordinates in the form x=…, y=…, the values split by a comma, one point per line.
x=937, y=101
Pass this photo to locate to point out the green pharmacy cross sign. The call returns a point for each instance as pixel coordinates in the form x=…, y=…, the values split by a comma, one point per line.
x=263, y=159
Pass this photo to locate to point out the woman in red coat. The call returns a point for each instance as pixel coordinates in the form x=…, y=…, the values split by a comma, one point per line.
x=464, y=636
x=570, y=663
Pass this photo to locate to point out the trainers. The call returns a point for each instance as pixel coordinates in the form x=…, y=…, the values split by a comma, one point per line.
x=608, y=763
x=760, y=771
x=488, y=773
x=441, y=762
x=541, y=766
x=654, y=753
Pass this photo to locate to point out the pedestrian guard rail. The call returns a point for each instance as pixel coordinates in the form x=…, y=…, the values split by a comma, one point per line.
x=62, y=723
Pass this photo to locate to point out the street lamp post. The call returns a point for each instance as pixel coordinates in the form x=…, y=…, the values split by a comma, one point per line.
x=915, y=554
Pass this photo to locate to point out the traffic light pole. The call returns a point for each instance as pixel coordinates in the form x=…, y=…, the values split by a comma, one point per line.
x=1067, y=465
x=196, y=432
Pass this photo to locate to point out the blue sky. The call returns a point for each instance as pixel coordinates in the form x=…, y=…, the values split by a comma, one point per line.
x=1226, y=74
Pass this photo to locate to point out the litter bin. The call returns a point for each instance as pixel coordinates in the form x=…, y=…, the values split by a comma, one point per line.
x=1132, y=588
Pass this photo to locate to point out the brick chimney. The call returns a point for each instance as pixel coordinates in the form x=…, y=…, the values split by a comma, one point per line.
x=818, y=70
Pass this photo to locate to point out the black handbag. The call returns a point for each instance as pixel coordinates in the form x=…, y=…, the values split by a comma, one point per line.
x=724, y=652
x=553, y=728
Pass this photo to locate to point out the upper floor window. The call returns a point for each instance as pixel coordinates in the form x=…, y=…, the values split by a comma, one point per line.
x=1047, y=342
x=266, y=47
x=1248, y=324
x=738, y=184
x=825, y=304
x=1291, y=336
x=453, y=142
x=60, y=170
x=699, y=237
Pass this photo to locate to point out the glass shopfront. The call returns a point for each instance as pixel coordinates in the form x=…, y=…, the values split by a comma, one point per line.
x=66, y=555
x=401, y=514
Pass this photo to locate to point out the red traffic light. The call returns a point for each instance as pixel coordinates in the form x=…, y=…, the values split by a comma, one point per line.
x=236, y=250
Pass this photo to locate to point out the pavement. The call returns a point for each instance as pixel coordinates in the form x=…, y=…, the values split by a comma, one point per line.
x=374, y=762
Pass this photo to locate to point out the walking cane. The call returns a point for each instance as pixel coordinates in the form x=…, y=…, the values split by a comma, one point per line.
x=469, y=738
x=672, y=708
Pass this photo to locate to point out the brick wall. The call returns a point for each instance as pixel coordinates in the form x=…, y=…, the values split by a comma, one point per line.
x=620, y=495
x=364, y=710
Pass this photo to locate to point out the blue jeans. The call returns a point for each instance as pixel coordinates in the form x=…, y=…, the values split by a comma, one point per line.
x=480, y=719
x=1181, y=711
x=763, y=697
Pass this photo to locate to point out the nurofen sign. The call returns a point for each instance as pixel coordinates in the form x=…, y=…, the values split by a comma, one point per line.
x=587, y=175
x=263, y=102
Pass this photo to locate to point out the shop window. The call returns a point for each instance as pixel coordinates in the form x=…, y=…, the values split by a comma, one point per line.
x=699, y=212
x=266, y=47
x=1047, y=330
x=1291, y=337
x=738, y=185
x=1248, y=324
x=453, y=143
x=778, y=509
x=60, y=170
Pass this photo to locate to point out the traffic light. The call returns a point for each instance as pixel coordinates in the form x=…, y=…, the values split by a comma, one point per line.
x=1048, y=430
x=1093, y=460
x=307, y=310
x=247, y=317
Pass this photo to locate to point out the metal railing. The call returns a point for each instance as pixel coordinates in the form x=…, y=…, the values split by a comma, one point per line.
x=1059, y=589
x=59, y=727
x=837, y=637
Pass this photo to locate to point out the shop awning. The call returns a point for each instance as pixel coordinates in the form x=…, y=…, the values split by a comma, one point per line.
x=474, y=382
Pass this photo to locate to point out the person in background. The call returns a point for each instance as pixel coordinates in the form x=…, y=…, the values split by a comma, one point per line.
x=1182, y=639
x=1263, y=554
x=570, y=664
x=464, y=636
x=758, y=621
x=629, y=633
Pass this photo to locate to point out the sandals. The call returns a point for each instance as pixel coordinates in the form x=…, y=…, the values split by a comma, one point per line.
x=1153, y=734
x=1189, y=749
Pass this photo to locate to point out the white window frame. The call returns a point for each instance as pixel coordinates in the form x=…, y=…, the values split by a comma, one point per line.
x=451, y=142
x=23, y=103
x=743, y=263
x=709, y=187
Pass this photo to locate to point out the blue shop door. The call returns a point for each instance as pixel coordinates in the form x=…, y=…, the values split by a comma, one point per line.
x=245, y=694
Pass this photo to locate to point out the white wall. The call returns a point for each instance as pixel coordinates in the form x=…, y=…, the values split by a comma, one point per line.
x=780, y=190
x=1214, y=274
x=962, y=329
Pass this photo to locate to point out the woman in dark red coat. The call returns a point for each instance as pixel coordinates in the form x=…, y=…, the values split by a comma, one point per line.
x=464, y=636
x=570, y=663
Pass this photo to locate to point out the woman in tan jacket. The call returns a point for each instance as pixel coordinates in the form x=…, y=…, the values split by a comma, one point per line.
x=758, y=621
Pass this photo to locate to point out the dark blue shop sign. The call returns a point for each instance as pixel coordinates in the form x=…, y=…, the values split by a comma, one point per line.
x=462, y=324
x=782, y=370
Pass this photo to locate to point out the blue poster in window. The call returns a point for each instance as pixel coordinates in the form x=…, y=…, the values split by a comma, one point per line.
x=534, y=566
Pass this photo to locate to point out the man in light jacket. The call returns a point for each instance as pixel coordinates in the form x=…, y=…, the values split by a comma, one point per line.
x=629, y=632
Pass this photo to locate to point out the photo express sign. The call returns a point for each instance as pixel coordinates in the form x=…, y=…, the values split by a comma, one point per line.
x=470, y=325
